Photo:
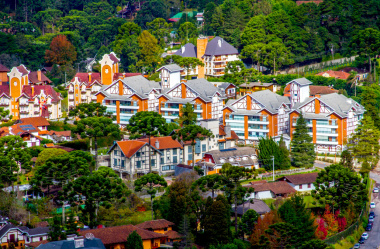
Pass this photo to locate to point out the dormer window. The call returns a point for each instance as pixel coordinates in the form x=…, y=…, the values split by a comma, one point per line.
x=231, y=159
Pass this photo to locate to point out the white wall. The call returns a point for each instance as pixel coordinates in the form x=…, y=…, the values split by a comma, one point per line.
x=305, y=187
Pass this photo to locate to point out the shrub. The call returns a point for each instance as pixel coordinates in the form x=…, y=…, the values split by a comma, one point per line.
x=80, y=144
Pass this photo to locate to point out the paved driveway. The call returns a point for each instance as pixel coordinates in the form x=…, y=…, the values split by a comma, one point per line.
x=373, y=241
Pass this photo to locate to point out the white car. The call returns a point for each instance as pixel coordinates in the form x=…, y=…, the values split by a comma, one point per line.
x=372, y=205
x=375, y=190
x=365, y=235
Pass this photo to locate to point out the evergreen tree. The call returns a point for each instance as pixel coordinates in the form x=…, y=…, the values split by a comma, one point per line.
x=302, y=147
x=369, y=99
x=247, y=222
x=134, y=241
x=55, y=232
x=346, y=160
x=268, y=148
x=188, y=116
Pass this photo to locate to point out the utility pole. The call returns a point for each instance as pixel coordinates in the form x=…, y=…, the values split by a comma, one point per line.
x=273, y=166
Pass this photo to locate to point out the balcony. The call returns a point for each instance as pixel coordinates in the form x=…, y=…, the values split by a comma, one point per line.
x=220, y=66
x=169, y=107
x=36, y=111
x=71, y=90
x=4, y=104
x=24, y=103
x=219, y=73
x=24, y=111
x=71, y=97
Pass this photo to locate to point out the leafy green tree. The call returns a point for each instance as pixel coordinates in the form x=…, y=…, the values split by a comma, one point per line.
x=315, y=244
x=149, y=11
x=149, y=183
x=128, y=29
x=231, y=178
x=192, y=133
x=364, y=143
x=234, y=67
x=302, y=147
x=248, y=221
x=280, y=235
x=71, y=225
x=186, y=31
x=268, y=148
x=187, y=115
x=96, y=8
x=190, y=63
x=253, y=52
x=254, y=32
x=94, y=128
x=160, y=29
x=277, y=55
x=47, y=153
x=85, y=110
x=147, y=124
x=149, y=51
x=55, y=231
x=42, y=18
x=208, y=182
x=370, y=102
x=338, y=186
x=346, y=160
x=134, y=241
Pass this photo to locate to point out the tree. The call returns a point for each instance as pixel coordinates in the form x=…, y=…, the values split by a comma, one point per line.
x=42, y=17
x=149, y=183
x=147, y=124
x=346, y=160
x=61, y=51
x=332, y=224
x=187, y=115
x=268, y=148
x=134, y=241
x=187, y=30
x=314, y=243
x=208, y=182
x=234, y=67
x=276, y=55
x=253, y=52
x=302, y=147
x=85, y=110
x=364, y=142
x=369, y=99
x=160, y=29
x=47, y=153
x=231, y=178
x=190, y=63
x=149, y=51
x=149, y=11
x=13, y=158
x=261, y=226
x=192, y=133
x=55, y=231
x=280, y=235
x=338, y=186
x=248, y=221
x=95, y=127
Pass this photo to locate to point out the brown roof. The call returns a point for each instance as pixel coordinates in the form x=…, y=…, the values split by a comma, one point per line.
x=42, y=223
x=22, y=69
x=33, y=77
x=18, y=129
x=223, y=133
x=48, y=90
x=173, y=235
x=336, y=74
x=49, y=145
x=84, y=77
x=114, y=58
x=38, y=243
x=155, y=224
x=164, y=142
x=321, y=90
x=300, y=179
x=3, y=68
x=130, y=147
x=275, y=187
x=35, y=121
x=119, y=234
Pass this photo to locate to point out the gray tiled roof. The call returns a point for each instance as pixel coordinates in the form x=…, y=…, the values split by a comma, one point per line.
x=171, y=68
x=37, y=231
x=341, y=104
x=258, y=205
x=223, y=85
x=5, y=229
x=225, y=48
x=205, y=89
x=189, y=51
x=239, y=152
x=70, y=244
x=270, y=100
x=252, y=84
x=302, y=81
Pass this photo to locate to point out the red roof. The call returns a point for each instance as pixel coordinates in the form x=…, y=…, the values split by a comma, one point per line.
x=33, y=77
x=300, y=179
x=84, y=77
x=314, y=90
x=119, y=234
x=130, y=147
x=164, y=142
x=336, y=74
x=223, y=133
x=22, y=69
x=155, y=224
x=48, y=90
x=4, y=89
x=35, y=121
x=281, y=187
x=173, y=235
x=113, y=57
x=3, y=68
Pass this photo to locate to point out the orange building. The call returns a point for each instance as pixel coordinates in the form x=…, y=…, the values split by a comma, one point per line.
x=260, y=114
x=162, y=226
x=3, y=74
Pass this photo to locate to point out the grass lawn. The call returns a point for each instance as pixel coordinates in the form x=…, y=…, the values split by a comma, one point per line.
x=269, y=201
x=139, y=217
x=309, y=202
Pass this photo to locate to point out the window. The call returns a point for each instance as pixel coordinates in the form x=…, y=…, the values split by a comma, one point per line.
x=153, y=162
x=300, y=186
x=190, y=149
x=162, y=160
x=309, y=185
x=138, y=154
x=221, y=146
x=172, y=167
x=203, y=147
x=122, y=163
x=190, y=157
x=115, y=152
x=174, y=159
x=165, y=168
x=138, y=164
x=115, y=162
x=174, y=151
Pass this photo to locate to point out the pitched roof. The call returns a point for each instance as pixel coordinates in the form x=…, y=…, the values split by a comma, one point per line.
x=4, y=88
x=119, y=234
x=173, y=235
x=18, y=129
x=155, y=224
x=223, y=133
x=205, y=88
x=300, y=179
x=70, y=244
x=113, y=57
x=301, y=81
x=130, y=147
x=341, y=104
x=37, y=231
x=335, y=74
x=48, y=90
x=171, y=68
x=38, y=243
x=124, y=75
x=252, y=84
x=222, y=156
x=22, y=69
x=321, y=90
x=3, y=68
x=275, y=187
x=164, y=142
x=258, y=205
x=84, y=77
x=6, y=228
x=218, y=46
x=35, y=121
x=33, y=77
x=188, y=50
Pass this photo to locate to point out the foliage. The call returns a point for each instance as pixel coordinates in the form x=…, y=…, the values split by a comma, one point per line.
x=208, y=182
x=248, y=221
x=55, y=232
x=346, y=160
x=134, y=241
x=187, y=30
x=369, y=99
x=188, y=116
x=149, y=56
x=302, y=147
x=85, y=110
x=268, y=148
x=61, y=51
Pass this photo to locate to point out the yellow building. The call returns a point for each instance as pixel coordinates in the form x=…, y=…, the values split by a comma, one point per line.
x=162, y=226
x=248, y=88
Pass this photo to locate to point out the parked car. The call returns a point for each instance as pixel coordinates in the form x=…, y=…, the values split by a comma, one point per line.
x=356, y=246
x=365, y=235
x=372, y=205
x=376, y=190
x=370, y=223
x=370, y=219
x=361, y=240
x=368, y=228
x=372, y=214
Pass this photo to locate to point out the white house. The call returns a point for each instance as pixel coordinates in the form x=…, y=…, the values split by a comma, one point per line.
x=267, y=190
x=302, y=182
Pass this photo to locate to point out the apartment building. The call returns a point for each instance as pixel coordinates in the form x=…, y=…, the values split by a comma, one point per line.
x=29, y=95
x=206, y=98
x=125, y=97
x=257, y=115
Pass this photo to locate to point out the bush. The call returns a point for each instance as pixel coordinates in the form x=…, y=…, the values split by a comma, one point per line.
x=81, y=144
x=350, y=239
x=7, y=124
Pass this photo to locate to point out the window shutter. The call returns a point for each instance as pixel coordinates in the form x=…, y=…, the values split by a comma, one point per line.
x=198, y=147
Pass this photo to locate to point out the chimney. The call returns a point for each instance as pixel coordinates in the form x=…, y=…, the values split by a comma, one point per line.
x=89, y=77
x=220, y=42
x=157, y=144
x=227, y=130
x=39, y=78
x=183, y=49
x=32, y=90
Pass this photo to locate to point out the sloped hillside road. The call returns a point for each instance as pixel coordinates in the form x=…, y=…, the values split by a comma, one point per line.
x=373, y=241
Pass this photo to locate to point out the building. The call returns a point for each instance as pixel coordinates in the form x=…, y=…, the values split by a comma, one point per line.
x=74, y=243
x=321, y=90
x=334, y=74
x=259, y=206
x=331, y=118
x=206, y=98
x=229, y=89
x=170, y=75
x=301, y=182
x=213, y=160
x=260, y=114
x=218, y=53
x=361, y=74
x=162, y=226
x=21, y=236
x=28, y=95
x=268, y=190
x=115, y=237
x=125, y=97
x=3, y=74
x=248, y=88
x=56, y=136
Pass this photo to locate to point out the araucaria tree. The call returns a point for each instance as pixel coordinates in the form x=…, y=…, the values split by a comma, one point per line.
x=85, y=110
x=192, y=133
x=188, y=116
x=96, y=127
x=149, y=182
x=302, y=147
x=364, y=143
x=147, y=124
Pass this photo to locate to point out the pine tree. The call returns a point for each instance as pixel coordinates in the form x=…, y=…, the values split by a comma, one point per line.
x=302, y=147
x=134, y=241
x=346, y=160
x=268, y=148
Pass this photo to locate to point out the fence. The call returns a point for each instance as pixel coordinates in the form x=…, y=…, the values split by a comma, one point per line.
x=285, y=172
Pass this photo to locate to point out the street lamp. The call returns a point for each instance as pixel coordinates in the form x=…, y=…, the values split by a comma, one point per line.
x=273, y=166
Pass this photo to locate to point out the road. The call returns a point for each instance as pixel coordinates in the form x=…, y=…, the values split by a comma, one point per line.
x=373, y=241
